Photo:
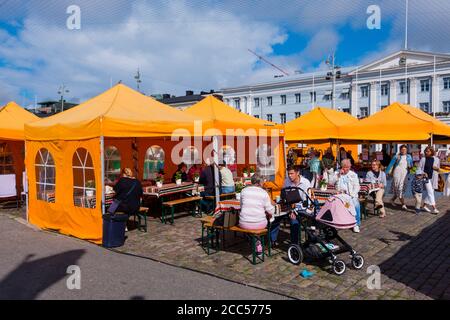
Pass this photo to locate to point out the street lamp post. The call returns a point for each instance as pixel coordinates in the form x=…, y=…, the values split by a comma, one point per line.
x=63, y=90
x=334, y=74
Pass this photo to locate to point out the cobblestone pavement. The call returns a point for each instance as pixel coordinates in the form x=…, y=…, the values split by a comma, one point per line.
x=412, y=251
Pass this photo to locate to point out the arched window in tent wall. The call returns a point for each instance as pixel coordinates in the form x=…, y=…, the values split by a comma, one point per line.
x=112, y=164
x=83, y=179
x=154, y=162
x=265, y=162
x=45, y=176
x=191, y=156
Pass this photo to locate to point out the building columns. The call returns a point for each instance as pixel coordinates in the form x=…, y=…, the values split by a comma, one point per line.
x=354, y=108
x=435, y=99
x=392, y=91
x=413, y=92
x=373, y=98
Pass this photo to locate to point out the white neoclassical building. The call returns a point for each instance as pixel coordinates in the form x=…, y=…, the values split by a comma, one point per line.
x=421, y=79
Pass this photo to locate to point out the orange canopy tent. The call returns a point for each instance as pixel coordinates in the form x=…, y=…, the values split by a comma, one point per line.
x=66, y=156
x=397, y=122
x=12, y=121
x=321, y=124
x=220, y=119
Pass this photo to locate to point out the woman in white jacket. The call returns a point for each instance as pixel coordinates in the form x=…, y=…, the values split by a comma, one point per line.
x=348, y=183
x=430, y=164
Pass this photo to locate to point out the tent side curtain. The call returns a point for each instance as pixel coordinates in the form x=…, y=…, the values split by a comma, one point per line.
x=62, y=176
x=12, y=161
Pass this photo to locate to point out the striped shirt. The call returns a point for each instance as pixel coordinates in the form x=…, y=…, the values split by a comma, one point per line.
x=255, y=203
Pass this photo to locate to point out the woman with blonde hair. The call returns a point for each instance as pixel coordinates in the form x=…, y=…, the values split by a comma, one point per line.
x=378, y=176
x=430, y=164
x=129, y=191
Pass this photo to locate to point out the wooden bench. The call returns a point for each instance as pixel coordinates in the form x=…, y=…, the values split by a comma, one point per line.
x=139, y=216
x=171, y=205
x=212, y=234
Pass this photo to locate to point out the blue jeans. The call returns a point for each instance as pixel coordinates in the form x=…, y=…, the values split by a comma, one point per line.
x=230, y=189
x=275, y=229
x=358, y=211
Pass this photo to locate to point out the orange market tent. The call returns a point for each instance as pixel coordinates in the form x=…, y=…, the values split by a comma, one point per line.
x=397, y=122
x=321, y=124
x=12, y=149
x=220, y=119
x=66, y=156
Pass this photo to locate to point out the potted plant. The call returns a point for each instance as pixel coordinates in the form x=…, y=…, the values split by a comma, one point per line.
x=90, y=188
x=238, y=189
x=178, y=180
x=159, y=180
x=245, y=172
x=252, y=171
x=196, y=178
x=323, y=184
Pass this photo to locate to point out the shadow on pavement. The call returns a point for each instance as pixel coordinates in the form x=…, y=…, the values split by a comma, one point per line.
x=33, y=277
x=423, y=264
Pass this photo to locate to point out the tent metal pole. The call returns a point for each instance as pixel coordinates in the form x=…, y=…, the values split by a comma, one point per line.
x=432, y=141
x=25, y=187
x=102, y=166
x=216, y=168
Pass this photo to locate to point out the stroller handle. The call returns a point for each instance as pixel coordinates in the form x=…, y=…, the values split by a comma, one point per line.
x=315, y=203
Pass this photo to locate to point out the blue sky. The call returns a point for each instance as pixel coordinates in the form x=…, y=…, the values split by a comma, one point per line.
x=195, y=44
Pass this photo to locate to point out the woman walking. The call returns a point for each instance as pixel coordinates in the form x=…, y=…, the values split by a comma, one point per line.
x=430, y=164
x=398, y=168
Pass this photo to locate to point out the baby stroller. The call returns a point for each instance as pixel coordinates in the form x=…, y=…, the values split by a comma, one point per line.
x=320, y=225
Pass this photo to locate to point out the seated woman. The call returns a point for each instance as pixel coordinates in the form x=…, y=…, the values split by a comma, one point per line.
x=196, y=169
x=377, y=175
x=348, y=183
x=182, y=170
x=129, y=191
x=255, y=206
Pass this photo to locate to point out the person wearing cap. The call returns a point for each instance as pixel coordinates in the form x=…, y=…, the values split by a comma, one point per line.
x=418, y=186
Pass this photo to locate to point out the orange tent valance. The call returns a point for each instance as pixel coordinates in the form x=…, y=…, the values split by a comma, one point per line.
x=12, y=120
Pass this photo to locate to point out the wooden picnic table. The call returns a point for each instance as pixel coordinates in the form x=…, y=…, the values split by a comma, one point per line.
x=171, y=189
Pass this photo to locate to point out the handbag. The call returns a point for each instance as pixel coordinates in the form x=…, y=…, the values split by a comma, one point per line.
x=116, y=202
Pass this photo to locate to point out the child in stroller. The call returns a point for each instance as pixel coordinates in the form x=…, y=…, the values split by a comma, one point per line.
x=320, y=226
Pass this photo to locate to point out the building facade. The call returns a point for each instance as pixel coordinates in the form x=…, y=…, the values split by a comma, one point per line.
x=421, y=79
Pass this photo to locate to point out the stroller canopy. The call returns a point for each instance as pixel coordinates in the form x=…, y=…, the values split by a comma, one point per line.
x=338, y=212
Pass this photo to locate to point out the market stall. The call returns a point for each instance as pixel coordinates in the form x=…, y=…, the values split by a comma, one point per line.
x=12, y=150
x=73, y=156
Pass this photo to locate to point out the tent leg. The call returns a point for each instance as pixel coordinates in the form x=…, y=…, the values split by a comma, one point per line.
x=102, y=166
x=216, y=168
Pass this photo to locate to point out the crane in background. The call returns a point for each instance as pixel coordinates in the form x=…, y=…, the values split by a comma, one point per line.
x=268, y=62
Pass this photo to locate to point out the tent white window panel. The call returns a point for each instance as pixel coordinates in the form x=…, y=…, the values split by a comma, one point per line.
x=45, y=176
x=191, y=156
x=83, y=179
x=154, y=162
x=112, y=164
x=265, y=162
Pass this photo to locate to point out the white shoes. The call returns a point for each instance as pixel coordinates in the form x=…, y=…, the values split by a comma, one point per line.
x=426, y=209
x=435, y=211
x=404, y=207
x=356, y=229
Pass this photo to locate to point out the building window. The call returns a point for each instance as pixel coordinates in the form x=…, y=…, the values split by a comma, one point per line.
x=153, y=162
x=257, y=116
x=298, y=115
x=447, y=83
x=425, y=85
x=269, y=117
x=346, y=110
x=403, y=88
x=269, y=101
x=298, y=98
x=345, y=95
x=112, y=164
x=384, y=90
x=283, y=99
x=425, y=107
x=364, y=112
x=313, y=96
x=83, y=180
x=383, y=107
x=283, y=117
x=257, y=101
x=45, y=176
x=328, y=96
x=237, y=104
x=364, y=92
x=446, y=106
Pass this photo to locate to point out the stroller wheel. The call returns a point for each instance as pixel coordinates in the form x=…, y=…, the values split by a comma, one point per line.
x=339, y=267
x=295, y=254
x=357, y=261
